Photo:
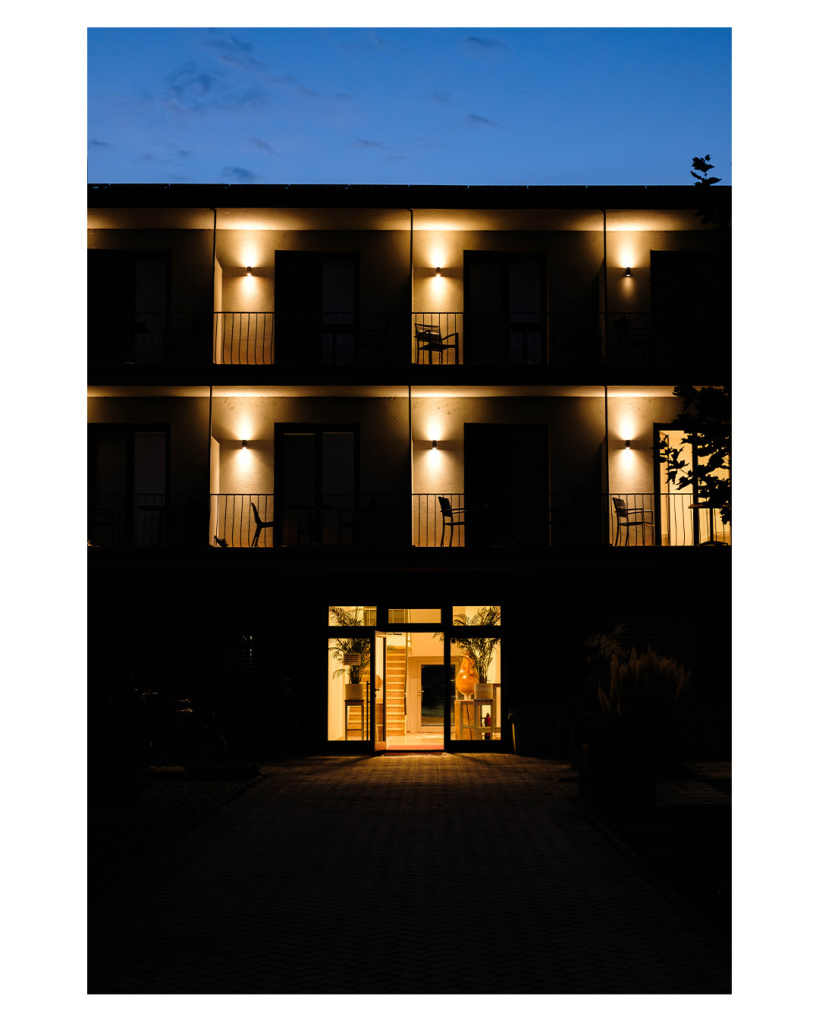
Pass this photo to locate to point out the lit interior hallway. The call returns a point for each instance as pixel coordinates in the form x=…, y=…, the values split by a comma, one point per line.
x=418, y=874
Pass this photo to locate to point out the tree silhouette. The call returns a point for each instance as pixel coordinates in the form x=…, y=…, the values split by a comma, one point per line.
x=706, y=422
x=715, y=203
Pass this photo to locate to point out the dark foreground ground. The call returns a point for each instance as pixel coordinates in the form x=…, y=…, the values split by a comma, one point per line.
x=419, y=874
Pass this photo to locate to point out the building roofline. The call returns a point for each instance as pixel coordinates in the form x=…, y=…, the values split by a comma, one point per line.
x=402, y=196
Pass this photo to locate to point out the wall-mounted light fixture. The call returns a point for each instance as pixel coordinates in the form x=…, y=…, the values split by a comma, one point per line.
x=435, y=446
x=244, y=444
x=628, y=271
x=628, y=446
x=437, y=271
x=250, y=272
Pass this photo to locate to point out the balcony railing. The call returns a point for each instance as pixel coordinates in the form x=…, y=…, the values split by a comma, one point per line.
x=306, y=520
x=146, y=520
x=672, y=519
x=436, y=338
x=477, y=519
x=439, y=519
x=148, y=338
x=506, y=339
x=307, y=339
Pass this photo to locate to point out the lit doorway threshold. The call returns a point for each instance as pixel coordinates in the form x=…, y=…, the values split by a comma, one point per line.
x=427, y=742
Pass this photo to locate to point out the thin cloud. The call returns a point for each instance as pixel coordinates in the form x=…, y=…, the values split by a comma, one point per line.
x=483, y=122
x=304, y=91
x=262, y=145
x=240, y=174
x=194, y=90
x=369, y=144
x=183, y=153
x=234, y=52
x=482, y=43
x=370, y=41
x=439, y=97
x=98, y=144
x=231, y=44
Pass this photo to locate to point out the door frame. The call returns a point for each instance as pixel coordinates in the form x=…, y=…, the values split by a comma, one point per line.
x=658, y=491
x=471, y=256
x=279, y=431
x=382, y=629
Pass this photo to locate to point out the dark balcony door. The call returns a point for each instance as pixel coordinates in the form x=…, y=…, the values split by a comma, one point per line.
x=506, y=484
x=316, y=488
x=316, y=308
x=505, y=305
x=128, y=476
x=691, y=304
x=128, y=303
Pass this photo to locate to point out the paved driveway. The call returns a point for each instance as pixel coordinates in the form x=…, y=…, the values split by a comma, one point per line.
x=452, y=873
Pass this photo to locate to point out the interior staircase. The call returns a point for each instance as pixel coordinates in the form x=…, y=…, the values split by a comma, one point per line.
x=395, y=683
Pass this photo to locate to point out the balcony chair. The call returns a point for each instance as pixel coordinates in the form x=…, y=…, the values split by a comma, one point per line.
x=448, y=514
x=259, y=526
x=631, y=339
x=428, y=338
x=623, y=513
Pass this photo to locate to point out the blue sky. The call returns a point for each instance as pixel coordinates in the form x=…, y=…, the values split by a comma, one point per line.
x=408, y=105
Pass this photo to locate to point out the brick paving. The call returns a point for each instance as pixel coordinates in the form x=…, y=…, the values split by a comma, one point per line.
x=473, y=873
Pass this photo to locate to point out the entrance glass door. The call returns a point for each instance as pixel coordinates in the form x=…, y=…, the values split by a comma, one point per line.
x=378, y=692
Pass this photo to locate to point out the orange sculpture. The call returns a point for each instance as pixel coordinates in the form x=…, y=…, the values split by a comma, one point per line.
x=467, y=676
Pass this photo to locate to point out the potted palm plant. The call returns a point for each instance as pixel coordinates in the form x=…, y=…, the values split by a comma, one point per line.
x=479, y=650
x=353, y=653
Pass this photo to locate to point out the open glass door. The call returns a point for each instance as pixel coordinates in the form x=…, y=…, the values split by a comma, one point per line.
x=378, y=692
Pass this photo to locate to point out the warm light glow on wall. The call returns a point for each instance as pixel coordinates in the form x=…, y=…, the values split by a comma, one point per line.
x=432, y=429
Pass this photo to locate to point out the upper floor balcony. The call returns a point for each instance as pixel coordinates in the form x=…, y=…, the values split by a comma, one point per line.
x=500, y=278
x=471, y=520
x=424, y=338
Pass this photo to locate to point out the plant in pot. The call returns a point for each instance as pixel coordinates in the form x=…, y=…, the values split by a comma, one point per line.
x=583, y=698
x=353, y=653
x=479, y=651
x=635, y=721
x=645, y=689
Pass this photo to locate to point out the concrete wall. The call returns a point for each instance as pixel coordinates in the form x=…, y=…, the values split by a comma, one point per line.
x=633, y=249
x=576, y=433
x=191, y=261
x=383, y=437
x=633, y=419
x=573, y=258
x=383, y=255
x=187, y=420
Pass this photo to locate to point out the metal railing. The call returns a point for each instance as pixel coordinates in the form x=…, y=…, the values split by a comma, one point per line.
x=148, y=337
x=672, y=519
x=457, y=519
x=506, y=339
x=146, y=520
x=631, y=519
x=244, y=339
x=307, y=339
x=305, y=520
x=265, y=338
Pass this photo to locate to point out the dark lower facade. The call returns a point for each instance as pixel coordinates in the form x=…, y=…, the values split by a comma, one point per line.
x=255, y=644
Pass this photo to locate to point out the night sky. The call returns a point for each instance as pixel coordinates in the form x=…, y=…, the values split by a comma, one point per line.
x=484, y=106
